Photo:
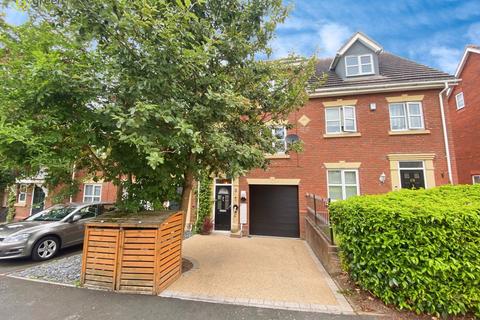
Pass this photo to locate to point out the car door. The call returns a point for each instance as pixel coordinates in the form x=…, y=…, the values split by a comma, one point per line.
x=76, y=230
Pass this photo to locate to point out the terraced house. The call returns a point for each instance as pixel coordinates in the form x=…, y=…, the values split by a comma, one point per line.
x=377, y=123
x=464, y=103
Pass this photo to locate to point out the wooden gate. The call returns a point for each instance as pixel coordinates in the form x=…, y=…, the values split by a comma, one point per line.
x=130, y=256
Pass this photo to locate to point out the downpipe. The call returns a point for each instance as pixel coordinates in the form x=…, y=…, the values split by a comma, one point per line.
x=445, y=134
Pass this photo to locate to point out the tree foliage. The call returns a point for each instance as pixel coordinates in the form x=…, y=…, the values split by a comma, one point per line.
x=148, y=92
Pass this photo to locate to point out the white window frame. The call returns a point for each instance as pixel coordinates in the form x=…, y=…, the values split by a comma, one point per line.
x=359, y=64
x=407, y=116
x=342, y=119
x=343, y=184
x=475, y=176
x=463, y=100
x=93, y=196
x=412, y=169
x=22, y=194
x=284, y=139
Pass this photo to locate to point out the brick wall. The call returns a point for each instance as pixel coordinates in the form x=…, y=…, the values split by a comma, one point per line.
x=466, y=121
x=109, y=194
x=371, y=148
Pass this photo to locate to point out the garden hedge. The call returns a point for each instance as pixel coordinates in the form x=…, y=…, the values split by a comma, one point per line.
x=416, y=249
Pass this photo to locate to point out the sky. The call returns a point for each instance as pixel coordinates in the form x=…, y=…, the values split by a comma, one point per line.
x=432, y=32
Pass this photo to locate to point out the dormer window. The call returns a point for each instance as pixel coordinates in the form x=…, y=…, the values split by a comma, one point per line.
x=359, y=65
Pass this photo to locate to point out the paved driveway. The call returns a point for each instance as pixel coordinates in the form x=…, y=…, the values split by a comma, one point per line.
x=257, y=271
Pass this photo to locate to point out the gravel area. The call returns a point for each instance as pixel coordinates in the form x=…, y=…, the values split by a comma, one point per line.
x=66, y=270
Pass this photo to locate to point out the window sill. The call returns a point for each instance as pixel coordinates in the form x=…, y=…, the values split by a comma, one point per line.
x=342, y=135
x=407, y=132
x=277, y=156
x=20, y=204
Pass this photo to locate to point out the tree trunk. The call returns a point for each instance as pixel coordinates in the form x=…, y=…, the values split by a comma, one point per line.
x=119, y=195
x=187, y=189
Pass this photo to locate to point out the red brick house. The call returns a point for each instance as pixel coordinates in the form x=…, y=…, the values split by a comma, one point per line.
x=464, y=105
x=33, y=196
x=378, y=123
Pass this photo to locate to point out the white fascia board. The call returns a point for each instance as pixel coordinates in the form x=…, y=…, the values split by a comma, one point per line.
x=468, y=50
x=367, y=41
x=30, y=181
x=358, y=36
x=333, y=92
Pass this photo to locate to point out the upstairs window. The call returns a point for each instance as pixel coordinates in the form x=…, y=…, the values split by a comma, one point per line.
x=280, y=135
x=460, y=101
x=406, y=116
x=340, y=119
x=92, y=193
x=359, y=65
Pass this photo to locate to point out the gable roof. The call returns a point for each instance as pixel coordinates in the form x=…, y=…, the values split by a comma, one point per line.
x=469, y=49
x=358, y=36
x=393, y=70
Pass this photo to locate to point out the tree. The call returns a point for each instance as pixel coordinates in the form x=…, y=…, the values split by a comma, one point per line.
x=169, y=88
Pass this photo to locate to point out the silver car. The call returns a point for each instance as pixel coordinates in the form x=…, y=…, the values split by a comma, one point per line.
x=42, y=235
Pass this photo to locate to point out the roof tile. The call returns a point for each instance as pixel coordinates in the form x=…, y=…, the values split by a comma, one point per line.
x=393, y=69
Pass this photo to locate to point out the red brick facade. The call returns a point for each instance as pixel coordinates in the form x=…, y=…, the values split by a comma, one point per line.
x=24, y=208
x=466, y=121
x=370, y=149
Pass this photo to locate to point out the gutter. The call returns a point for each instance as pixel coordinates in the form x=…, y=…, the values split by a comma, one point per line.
x=389, y=87
x=445, y=134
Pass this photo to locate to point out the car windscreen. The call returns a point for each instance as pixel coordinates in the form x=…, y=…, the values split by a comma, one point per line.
x=55, y=213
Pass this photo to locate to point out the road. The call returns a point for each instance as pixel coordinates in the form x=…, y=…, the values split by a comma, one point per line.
x=27, y=300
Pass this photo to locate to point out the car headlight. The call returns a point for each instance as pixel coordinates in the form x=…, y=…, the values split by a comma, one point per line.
x=17, y=238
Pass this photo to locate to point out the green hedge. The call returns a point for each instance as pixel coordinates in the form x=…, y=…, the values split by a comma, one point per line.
x=416, y=249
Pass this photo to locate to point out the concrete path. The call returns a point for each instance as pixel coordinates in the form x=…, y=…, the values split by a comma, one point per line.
x=27, y=300
x=259, y=271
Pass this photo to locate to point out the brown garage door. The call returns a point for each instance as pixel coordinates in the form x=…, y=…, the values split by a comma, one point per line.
x=274, y=210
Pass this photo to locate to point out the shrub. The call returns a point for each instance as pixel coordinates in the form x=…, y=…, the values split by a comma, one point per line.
x=205, y=200
x=416, y=249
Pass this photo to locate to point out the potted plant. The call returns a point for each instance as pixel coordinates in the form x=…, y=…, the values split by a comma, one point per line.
x=207, y=226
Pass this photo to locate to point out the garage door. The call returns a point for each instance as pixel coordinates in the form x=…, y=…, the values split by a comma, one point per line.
x=274, y=210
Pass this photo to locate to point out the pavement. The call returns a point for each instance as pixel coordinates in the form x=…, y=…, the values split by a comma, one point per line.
x=27, y=300
x=257, y=271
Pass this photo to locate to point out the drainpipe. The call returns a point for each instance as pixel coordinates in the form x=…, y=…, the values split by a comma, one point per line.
x=73, y=178
x=445, y=134
x=198, y=200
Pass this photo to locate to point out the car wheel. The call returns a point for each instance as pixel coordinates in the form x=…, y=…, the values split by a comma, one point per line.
x=45, y=248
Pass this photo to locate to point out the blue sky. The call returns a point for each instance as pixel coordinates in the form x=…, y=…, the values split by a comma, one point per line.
x=432, y=32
